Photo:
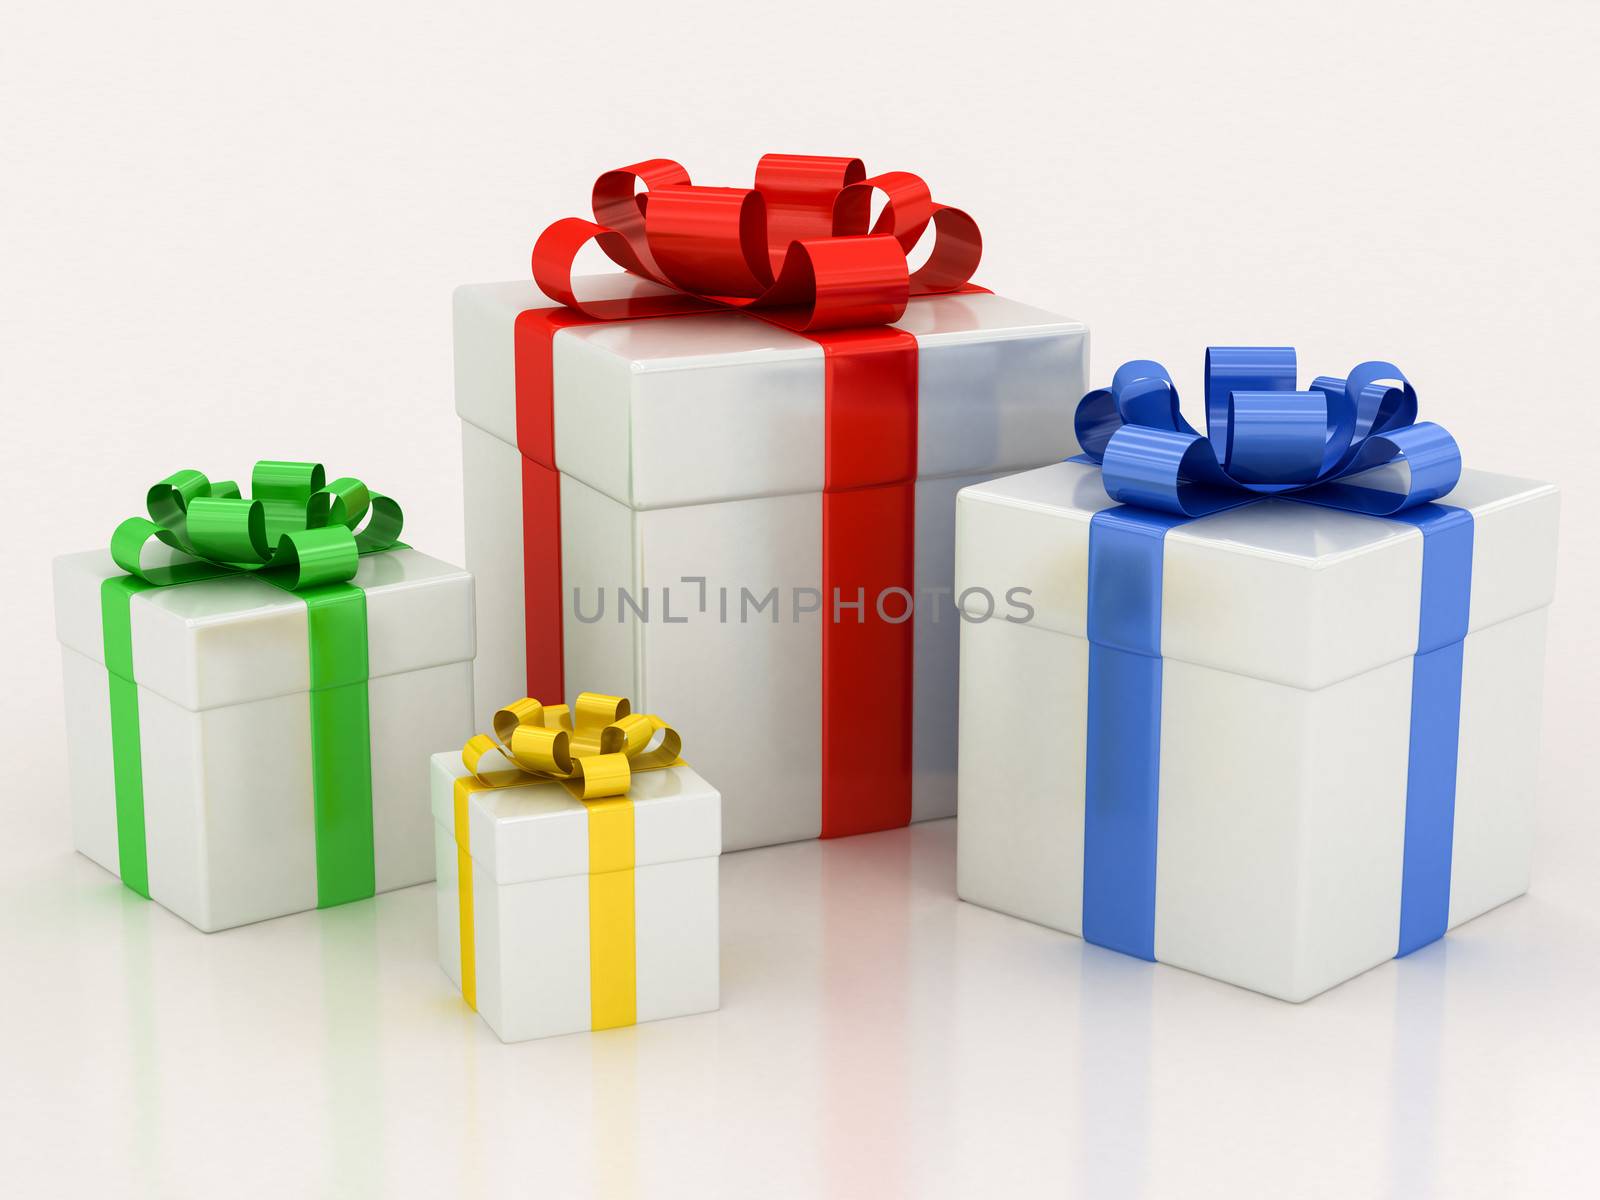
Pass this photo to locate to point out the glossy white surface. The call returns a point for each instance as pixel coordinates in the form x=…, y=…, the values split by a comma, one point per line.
x=746, y=694
x=483, y=315
x=229, y=830
x=1515, y=522
x=935, y=646
x=228, y=640
x=530, y=888
x=876, y=1037
x=225, y=734
x=692, y=448
x=1281, y=826
x=1304, y=600
x=411, y=713
x=1265, y=590
x=1497, y=783
x=736, y=401
x=743, y=401
x=492, y=500
x=541, y=832
x=602, y=655
x=1287, y=633
x=93, y=799
x=1032, y=533
x=1279, y=859
x=1021, y=846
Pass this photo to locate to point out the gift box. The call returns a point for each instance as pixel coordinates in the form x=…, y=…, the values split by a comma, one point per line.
x=1283, y=683
x=577, y=871
x=252, y=704
x=741, y=509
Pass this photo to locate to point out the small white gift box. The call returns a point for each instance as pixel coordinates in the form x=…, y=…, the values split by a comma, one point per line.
x=1272, y=845
x=576, y=863
x=558, y=915
x=675, y=510
x=223, y=799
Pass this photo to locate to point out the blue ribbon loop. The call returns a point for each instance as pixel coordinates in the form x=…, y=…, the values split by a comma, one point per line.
x=1354, y=443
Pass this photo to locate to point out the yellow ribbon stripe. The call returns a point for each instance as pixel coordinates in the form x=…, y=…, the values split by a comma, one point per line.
x=613, y=981
x=594, y=757
x=464, y=788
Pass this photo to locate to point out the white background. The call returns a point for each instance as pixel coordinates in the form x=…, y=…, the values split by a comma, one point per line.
x=232, y=232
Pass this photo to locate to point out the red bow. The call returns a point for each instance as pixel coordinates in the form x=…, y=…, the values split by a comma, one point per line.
x=797, y=246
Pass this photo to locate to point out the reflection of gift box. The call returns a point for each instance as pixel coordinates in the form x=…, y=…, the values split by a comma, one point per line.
x=1275, y=744
x=559, y=914
x=668, y=508
x=239, y=750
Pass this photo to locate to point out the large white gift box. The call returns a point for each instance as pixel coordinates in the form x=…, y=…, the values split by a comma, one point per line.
x=1271, y=844
x=558, y=915
x=671, y=509
x=243, y=814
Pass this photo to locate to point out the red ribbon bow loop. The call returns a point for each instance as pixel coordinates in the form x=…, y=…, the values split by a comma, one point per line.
x=801, y=245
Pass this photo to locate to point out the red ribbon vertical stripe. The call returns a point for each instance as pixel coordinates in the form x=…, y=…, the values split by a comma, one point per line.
x=534, y=347
x=868, y=550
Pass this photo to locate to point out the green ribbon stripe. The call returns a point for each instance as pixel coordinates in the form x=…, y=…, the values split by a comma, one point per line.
x=341, y=736
x=303, y=537
x=127, y=758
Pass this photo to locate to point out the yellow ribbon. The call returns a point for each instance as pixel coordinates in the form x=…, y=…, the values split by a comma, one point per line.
x=594, y=757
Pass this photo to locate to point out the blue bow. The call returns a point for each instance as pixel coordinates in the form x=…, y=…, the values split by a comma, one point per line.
x=1266, y=438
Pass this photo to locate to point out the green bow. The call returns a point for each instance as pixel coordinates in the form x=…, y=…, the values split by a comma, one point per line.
x=295, y=525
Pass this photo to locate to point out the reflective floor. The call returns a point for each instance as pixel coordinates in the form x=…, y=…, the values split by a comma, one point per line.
x=877, y=1038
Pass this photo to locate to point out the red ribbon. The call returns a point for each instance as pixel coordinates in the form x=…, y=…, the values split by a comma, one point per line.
x=800, y=248
x=802, y=251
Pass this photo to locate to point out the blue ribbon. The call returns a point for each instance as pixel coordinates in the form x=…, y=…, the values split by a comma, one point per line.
x=1352, y=444
x=1265, y=438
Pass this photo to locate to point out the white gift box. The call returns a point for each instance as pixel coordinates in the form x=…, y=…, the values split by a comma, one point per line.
x=557, y=942
x=1287, y=638
x=223, y=676
x=691, y=471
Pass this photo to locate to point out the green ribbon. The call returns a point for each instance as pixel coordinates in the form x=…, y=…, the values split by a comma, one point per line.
x=302, y=535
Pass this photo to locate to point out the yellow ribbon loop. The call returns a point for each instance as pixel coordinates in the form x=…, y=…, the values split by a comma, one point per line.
x=594, y=755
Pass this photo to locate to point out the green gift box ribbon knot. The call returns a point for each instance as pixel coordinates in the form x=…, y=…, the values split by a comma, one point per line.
x=303, y=535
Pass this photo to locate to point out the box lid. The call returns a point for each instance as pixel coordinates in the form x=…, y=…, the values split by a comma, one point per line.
x=722, y=406
x=1277, y=590
x=541, y=831
x=237, y=638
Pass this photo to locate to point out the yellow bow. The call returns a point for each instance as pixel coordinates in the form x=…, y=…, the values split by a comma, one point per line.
x=594, y=757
